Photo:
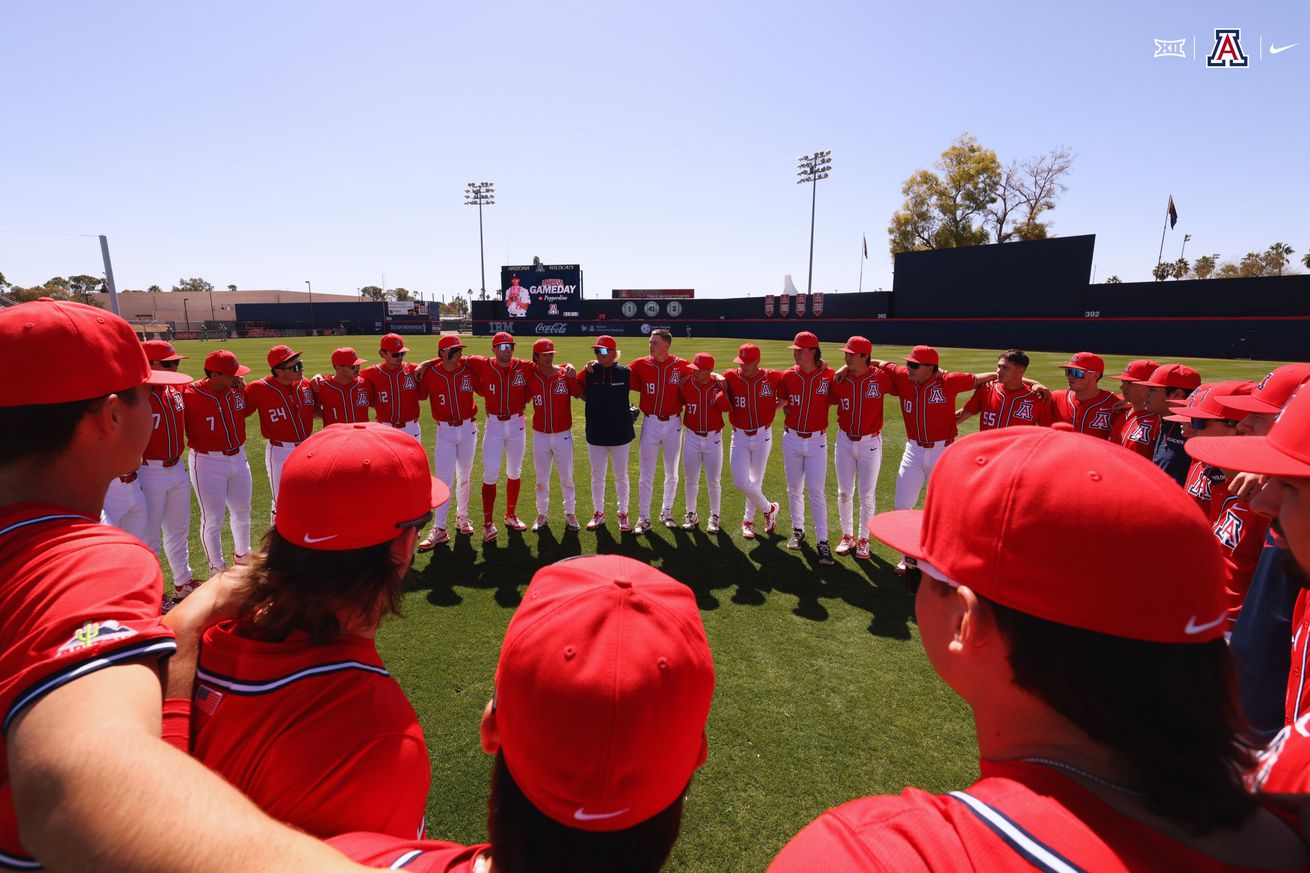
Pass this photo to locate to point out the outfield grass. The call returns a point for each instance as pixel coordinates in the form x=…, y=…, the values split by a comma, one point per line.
x=823, y=693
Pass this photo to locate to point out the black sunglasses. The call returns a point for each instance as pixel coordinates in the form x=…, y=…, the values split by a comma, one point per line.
x=396, y=354
x=297, y=366
x=1200, y=423
x=418, y=522
x=171, y=365
x=913, y=365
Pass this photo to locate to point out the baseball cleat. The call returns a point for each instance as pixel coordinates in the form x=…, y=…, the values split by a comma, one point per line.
x=513, y=522
x=625, y=526
x=180, y=592
x=845, y=545
x=571, y=521
x=597, y=520
x=463, y=525
x=489, y=532
x=167, y=604
x=667, y=518
x=901, y=568
x=435, y=538
x=713, y=526
x=771, y=518
x=643, y=526
x=541, y=522
x=797, y=537
x=825, y=553
x=862, y=549
x=238, y=560
x=691, y=521
x=747, y=529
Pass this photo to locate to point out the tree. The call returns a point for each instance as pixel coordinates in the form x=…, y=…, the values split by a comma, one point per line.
x=231, y=287
x=4, y=285
x=1277, y=256
x=1033, y=185
x=155, y=289
x=373, y=292
x=1162, y=271
x=83, y=286
x=1252, y=264
x=1181, y=268
x=401, y=294
x=193, y=285
x=1114, y=280
x=1228, y=270
x=1305, y=259
x=947, y=209
x=1205, y=265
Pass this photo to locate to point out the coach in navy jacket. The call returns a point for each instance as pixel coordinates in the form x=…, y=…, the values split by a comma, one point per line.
x=605, y=386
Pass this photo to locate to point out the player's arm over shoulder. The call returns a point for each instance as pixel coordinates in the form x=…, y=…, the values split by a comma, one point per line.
x=888, y=833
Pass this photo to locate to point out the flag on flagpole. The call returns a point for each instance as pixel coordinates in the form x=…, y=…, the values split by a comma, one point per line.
x=1173, y=213
x=866, y=248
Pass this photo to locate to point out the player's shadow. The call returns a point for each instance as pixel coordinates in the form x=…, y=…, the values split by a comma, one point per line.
x=506, y=567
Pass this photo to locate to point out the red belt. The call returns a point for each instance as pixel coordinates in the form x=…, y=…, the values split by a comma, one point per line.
x=128, y=479
x=403, y=424
x=282, y=445
x=509, y=417
x=452, y=423
x=924, y=445
x=660, y=417
x=704, y=433
x=228, y=452
x=749, y=432
x=853, y=438
x=163, y=462
x=803, y=434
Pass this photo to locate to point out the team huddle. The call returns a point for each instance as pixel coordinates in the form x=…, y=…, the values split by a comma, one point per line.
x=1139, y=705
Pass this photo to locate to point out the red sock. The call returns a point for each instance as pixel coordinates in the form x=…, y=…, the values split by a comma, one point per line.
x=512, y=496
x=488, y=501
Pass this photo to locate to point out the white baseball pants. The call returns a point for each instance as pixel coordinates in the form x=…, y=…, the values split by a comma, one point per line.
x=414, y=429
x=857, y=459
x=707, y=452
x=274, y=458
x=748, y=456
x=916, y=466
x=617, y=458
x=656, y=435
x=222, y=481
x=168, y=507
x=452, y=463
x=125, y=507
x=805, y=461
x=557, y=448
x=503, y=439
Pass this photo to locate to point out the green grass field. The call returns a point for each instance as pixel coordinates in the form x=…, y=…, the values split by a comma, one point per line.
x=823, y=691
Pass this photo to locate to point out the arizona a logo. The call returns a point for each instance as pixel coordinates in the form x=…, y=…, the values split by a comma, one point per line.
x=872, y=390
x=1141, y=433
x=1228, y=530
x=1227, y=51
x=1024, y=410
x=1101, y=422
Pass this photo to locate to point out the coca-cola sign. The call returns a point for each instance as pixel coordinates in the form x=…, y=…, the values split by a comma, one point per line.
x=557, y=329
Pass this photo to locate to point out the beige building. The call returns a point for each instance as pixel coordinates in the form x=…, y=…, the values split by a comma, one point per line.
x=189, y=310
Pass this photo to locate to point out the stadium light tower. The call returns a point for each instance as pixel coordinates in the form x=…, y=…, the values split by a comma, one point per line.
x=311, y=307
x=812, y=168
x=481, y=194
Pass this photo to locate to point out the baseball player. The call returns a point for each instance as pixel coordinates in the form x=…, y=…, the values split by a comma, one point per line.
x=504, y=380
x=163, y=476
x=84, y=654
x=858, y=450
x=807, y=394
x=517, y=299
x=1168, y=386
x=1205, y=415
x=657, y=379
x=393, y=387
x=1088, y=407
x=284, y=400
x=552, y=390
x=1071, y=693
x=704, y=402
x=281, y=685
x=1009, y=401
x=342, y=398
x=595, y=748
x=125, y=505
x=609, y=428
x=756, y=394
x=215, y=411
x=451, y=387
x=1139, y=428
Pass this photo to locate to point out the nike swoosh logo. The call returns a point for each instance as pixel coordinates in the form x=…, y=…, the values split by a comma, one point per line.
x=582, y=815
x=1194, y=628
x=1275, y=49
x=309, y=541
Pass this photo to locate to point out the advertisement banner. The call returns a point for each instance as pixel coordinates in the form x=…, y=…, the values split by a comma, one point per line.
x=768, y=305
x=784, y=303
x=800, y=304
x=400, y=307
x=653, y=293
x=542, y=292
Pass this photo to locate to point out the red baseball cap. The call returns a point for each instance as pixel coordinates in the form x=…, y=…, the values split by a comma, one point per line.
x=602, y=692
x=223, y=361
x=1004, y=507
x=1284, y=452
x=393, y=343
x=449, y=341
x=346, y=357
x=1137, y=371
x=351, y=486
x=160, y=350
x=279, y=355
x=1086, y=361
x=605, y=341
x=703, y=361
x=747, y=353
x=99, y=354
x=502, y=337
x=1272, y=392
x=543, y=347
x=924, y=355
x=804, y=340
x=1174, y=376
x=858, y=345
x=1204, y=402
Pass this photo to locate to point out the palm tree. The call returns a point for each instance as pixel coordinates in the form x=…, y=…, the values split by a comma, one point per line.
x=1114, y=280
x=1305, y=259
x=1180, y=268
x=1205, y=265
x=1162, y=271
x=1277, y=256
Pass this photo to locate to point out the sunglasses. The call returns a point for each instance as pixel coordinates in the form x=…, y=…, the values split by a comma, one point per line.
x=504, y=347
x=297, y=366
x=418, y=522
x=169, y=365
x=913, y=365
x=601, y=351
x=396, y=354
x=1200, y=423
x=1078, y=372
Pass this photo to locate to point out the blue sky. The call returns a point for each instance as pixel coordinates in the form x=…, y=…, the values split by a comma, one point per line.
x=264, y=144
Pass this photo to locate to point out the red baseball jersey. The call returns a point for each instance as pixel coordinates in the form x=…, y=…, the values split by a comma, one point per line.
x=1138, y=431
x=451, y=393
x=1018, y=816
x=505, y=388
x=341, y=404
x=997, y=406
x=859, y=402
x=929, y=407
x=1298, y=696
x=1206, y=485
x=658, y=384
x=76, y=596
x=215, y=420
x=1095, y=417
x=428, y=856
x=703, y=406
x=168, y=429
x=754, y=400
x=808, y=396
x=286, y=412
x=1284, y=766
x=393, y=392
x=318, y=736
x=1241, y=536
x=552, y=396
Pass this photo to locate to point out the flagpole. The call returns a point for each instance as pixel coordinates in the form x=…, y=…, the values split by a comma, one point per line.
x=861, y=270
x=1160, y=257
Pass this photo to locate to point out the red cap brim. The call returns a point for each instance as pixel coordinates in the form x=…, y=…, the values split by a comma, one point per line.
x=902, y=529
x=1249, y=454
x=440, y=493
x=168, y=377
x=1247, y=403
x=242, y=370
